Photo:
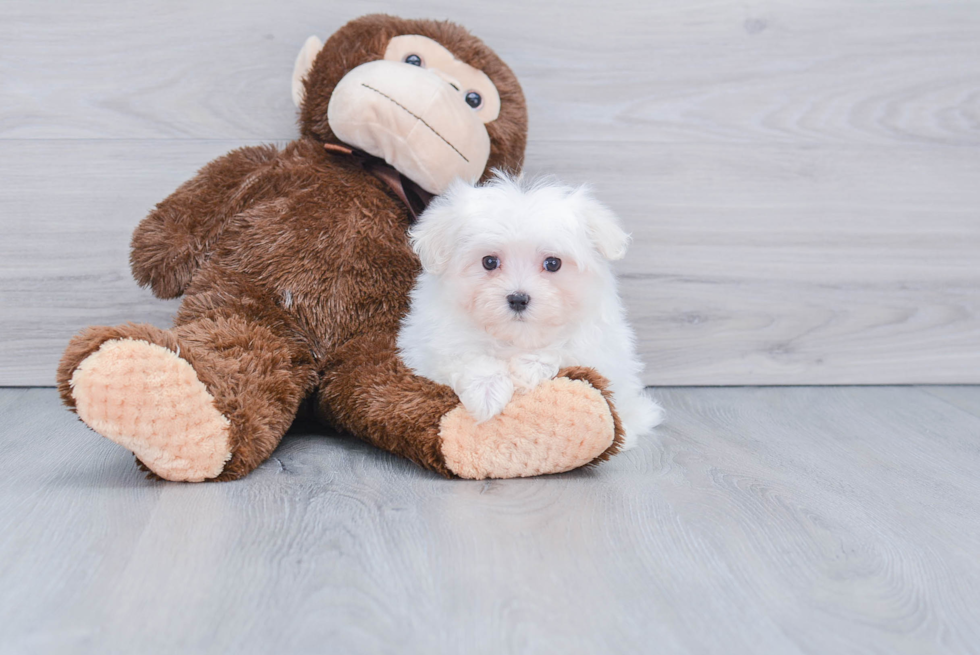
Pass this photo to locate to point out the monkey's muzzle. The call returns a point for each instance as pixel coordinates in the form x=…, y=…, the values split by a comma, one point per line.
x=413, y=119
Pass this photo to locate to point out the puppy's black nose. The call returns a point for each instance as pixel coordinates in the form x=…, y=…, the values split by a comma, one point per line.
x=518, y=301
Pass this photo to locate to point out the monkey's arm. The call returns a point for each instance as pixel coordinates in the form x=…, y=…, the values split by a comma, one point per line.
x=172, y=242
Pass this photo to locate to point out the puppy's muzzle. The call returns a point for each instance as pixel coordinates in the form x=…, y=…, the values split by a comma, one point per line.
x=518, y=301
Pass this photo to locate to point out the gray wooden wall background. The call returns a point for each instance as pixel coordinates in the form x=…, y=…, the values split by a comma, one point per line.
x=802, y=178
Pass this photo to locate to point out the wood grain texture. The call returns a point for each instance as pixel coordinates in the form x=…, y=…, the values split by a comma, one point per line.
x=766, y=520
x=840, y=71
x=800, y=177
x=962, y=397
x=726, y=294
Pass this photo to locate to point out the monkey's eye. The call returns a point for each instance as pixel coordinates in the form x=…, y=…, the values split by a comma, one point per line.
x=473, y=99
x=491, y=262
x=552, y=264
x=414, y=60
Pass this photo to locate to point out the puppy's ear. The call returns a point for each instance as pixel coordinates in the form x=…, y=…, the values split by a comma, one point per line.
x=304, y=62
x=602, y=226
x=434, y=237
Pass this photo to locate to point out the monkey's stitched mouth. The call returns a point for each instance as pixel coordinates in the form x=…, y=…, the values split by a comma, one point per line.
x=417, y=117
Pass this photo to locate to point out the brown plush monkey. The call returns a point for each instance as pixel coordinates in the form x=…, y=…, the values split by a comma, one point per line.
x=295, y=270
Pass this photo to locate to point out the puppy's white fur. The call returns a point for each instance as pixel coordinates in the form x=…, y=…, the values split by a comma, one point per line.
x=461, y=329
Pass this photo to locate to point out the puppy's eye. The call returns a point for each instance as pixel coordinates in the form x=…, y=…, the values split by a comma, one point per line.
x=490, y=262
x=552, y=264
x=474, y=100
x=414, y=60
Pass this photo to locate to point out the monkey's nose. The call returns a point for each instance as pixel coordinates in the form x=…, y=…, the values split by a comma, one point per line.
x=518, y=301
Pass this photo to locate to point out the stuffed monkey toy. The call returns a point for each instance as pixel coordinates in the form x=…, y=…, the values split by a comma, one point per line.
x=295, y=270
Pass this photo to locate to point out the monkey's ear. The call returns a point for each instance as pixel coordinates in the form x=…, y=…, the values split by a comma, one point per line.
x=304, y=62
x=435, y=237
x=602, y=226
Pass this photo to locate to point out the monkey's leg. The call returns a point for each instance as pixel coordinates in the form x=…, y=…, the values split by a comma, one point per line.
x=562, y=424
x=207, y=400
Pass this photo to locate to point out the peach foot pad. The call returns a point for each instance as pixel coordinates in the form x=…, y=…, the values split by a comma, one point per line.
x=559, y=426
x=150, y=401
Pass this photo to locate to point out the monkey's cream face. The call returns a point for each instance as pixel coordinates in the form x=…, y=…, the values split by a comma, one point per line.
x=420, y=109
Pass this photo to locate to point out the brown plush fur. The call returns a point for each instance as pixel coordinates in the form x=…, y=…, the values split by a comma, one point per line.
x=296, y=269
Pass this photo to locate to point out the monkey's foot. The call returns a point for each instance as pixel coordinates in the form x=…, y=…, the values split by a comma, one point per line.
x=560, y=425
x=148, y=400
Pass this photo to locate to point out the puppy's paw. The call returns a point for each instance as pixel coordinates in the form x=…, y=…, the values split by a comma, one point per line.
x=486, y=396
x=529, y=370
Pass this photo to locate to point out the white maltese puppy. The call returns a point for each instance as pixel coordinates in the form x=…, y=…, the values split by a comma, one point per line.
x=516, y=284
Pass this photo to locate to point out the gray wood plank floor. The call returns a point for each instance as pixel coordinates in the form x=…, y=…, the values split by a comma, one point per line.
x=759, y=520
x=800, y=177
